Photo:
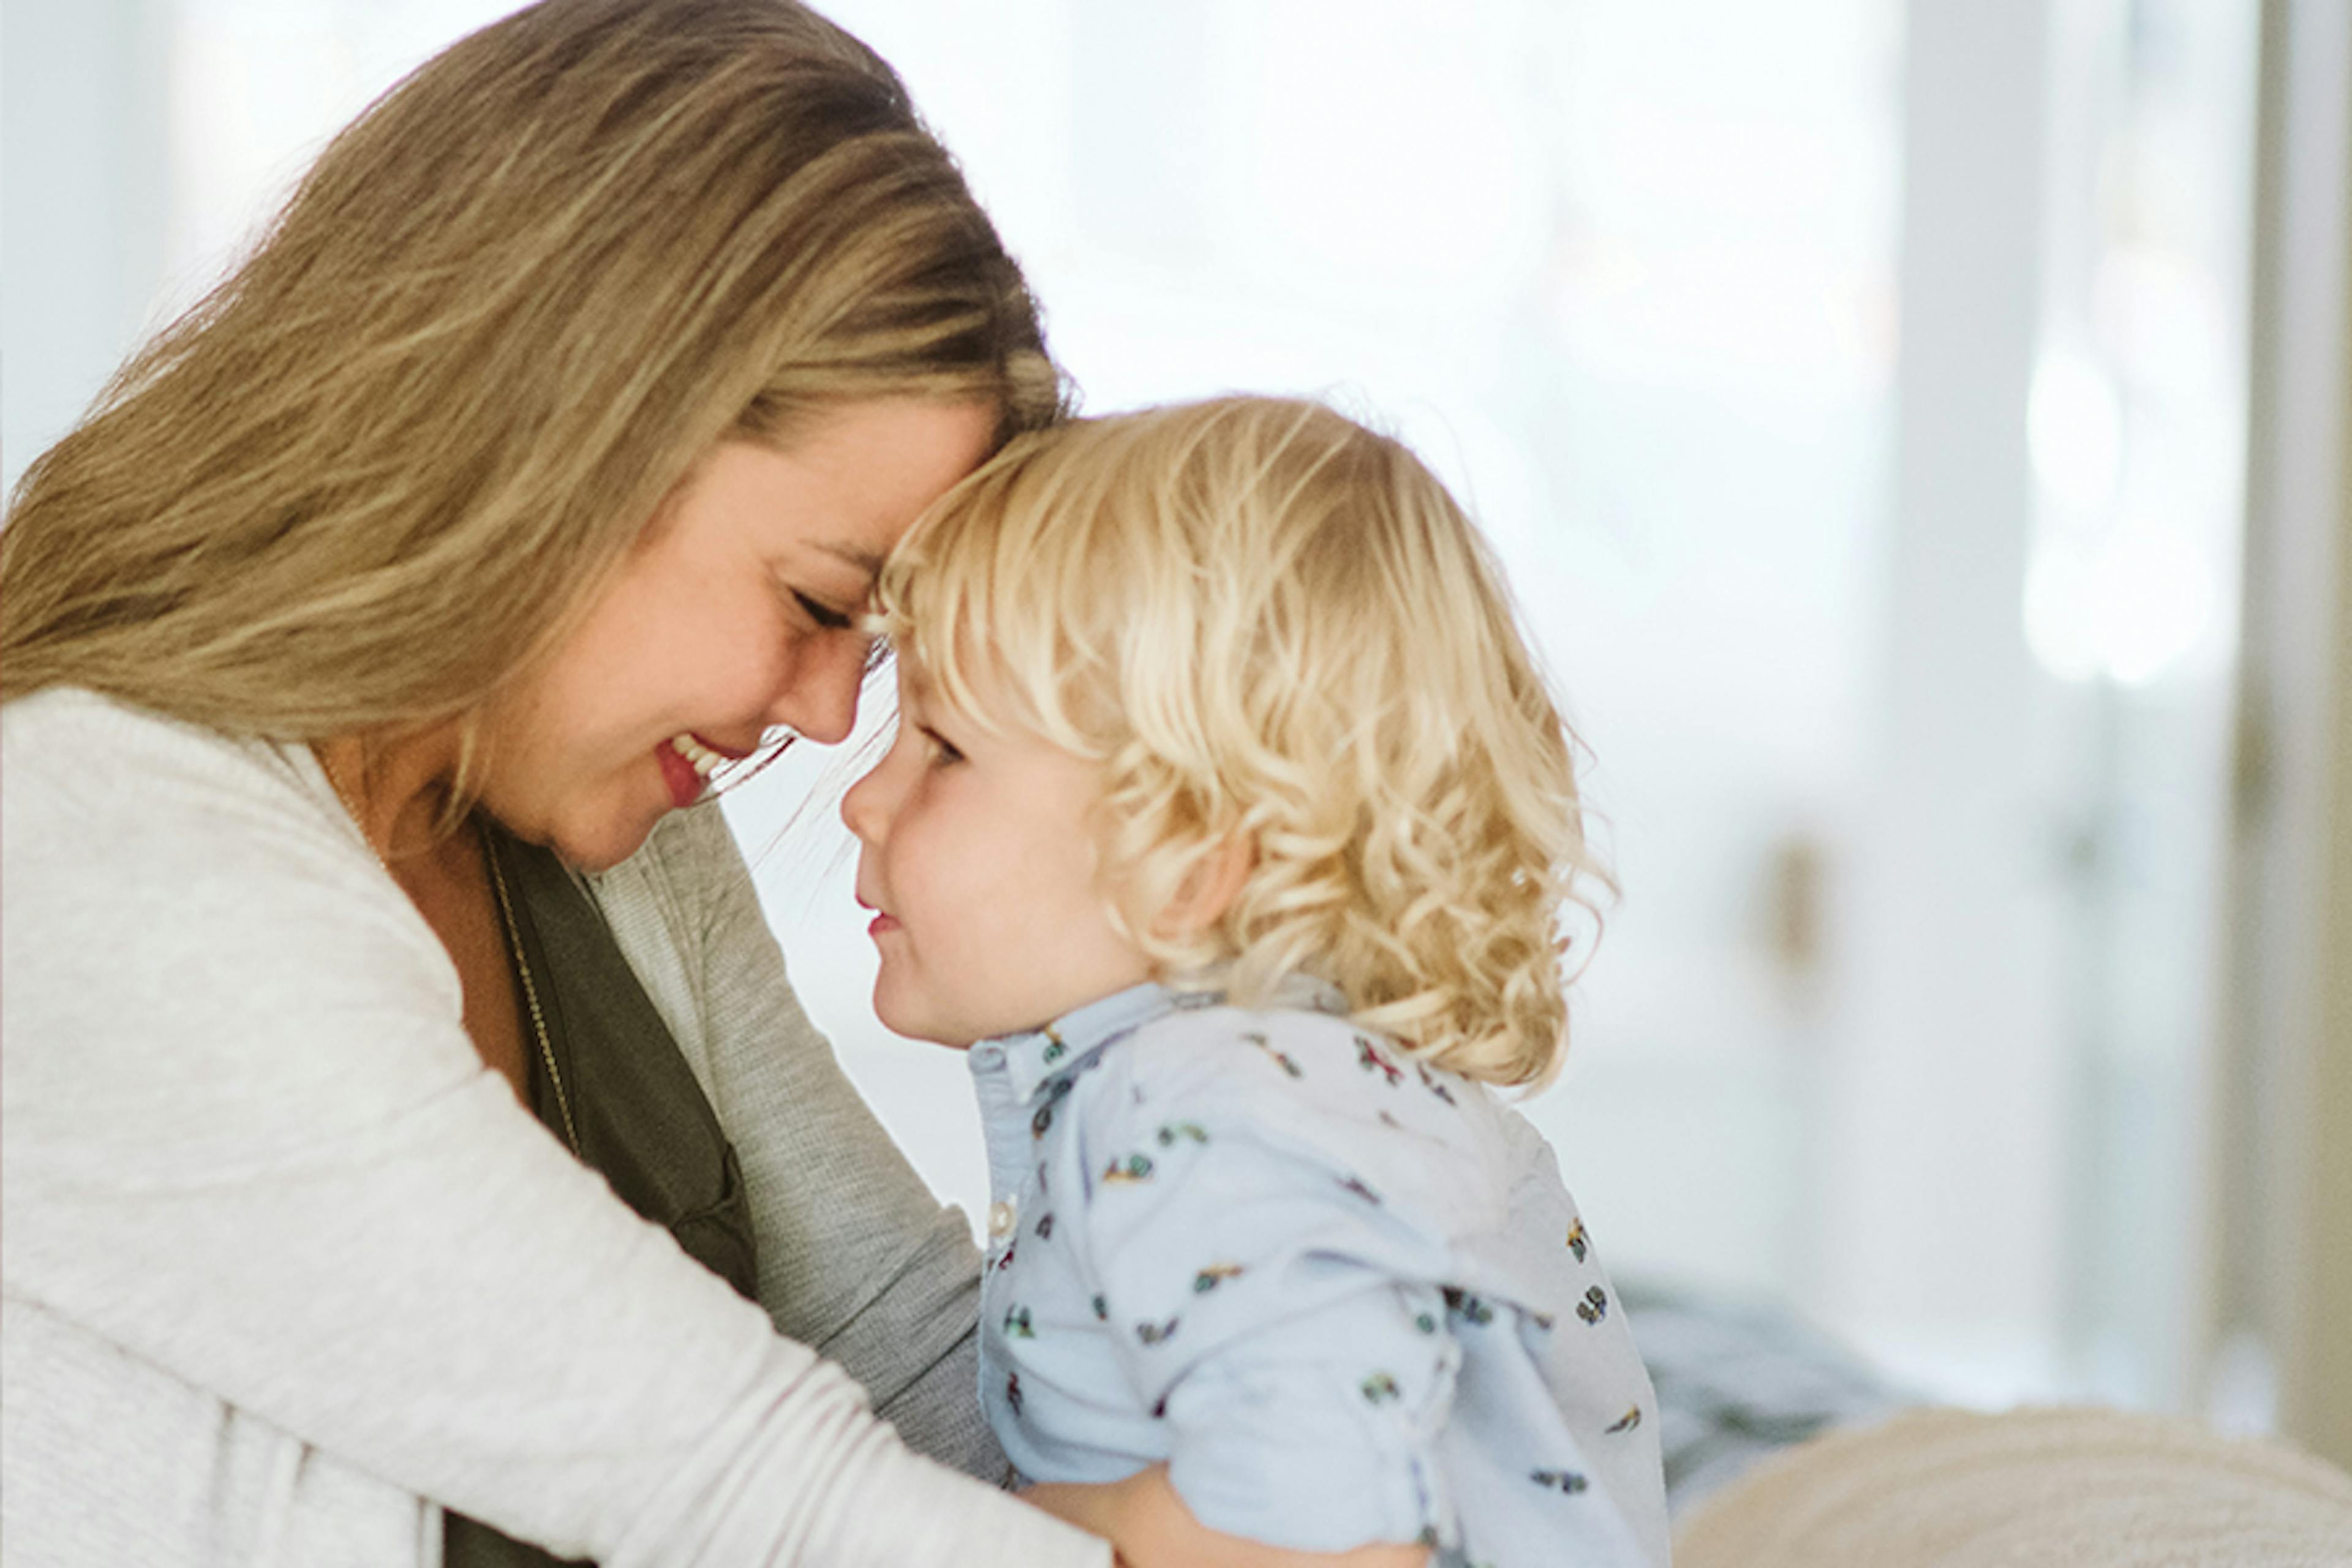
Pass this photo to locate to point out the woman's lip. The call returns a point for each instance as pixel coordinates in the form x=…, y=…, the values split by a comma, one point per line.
x=686, y=785
x=732, y=753
x=881, y=923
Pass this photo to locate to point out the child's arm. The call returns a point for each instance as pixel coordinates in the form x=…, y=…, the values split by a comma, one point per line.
x=1148, y=1524
x=1269, y=1307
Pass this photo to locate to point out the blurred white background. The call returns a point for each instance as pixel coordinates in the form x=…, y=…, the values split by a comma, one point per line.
x=1857, y=391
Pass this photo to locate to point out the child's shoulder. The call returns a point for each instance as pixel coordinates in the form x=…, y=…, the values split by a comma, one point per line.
x=1302, y=1072
x=1210, y=1044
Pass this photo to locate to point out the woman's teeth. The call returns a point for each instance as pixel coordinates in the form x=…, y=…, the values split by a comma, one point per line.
x=704, y=760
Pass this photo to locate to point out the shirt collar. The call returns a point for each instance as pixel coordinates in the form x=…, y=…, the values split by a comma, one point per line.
x=1037, y=1055
x=1032, y=1057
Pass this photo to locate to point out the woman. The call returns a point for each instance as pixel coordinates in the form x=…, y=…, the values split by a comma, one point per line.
x=356, y=653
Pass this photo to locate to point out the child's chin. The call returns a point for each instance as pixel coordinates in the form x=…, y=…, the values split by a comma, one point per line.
x=918, y=1029
x=921, y=1035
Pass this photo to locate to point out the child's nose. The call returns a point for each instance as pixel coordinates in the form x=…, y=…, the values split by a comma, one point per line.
x=861, y=808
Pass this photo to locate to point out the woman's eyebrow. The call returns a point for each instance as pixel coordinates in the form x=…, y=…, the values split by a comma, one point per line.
x=864, y=561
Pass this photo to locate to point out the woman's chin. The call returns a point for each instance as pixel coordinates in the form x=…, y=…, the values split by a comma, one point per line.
x=604, y=858
x=601, y=846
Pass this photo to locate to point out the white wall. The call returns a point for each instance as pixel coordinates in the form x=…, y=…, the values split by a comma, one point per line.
x=84, y=198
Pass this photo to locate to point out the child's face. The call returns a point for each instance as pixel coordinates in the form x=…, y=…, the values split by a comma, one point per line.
x=978, y=856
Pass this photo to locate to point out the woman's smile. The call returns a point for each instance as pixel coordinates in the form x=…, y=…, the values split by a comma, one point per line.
x=730, y=620
x=688, y=760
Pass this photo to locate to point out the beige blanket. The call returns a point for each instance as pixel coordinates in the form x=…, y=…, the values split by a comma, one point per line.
x=2032, y=1488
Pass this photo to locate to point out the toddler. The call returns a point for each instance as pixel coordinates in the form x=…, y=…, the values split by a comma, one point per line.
x=1229, y=825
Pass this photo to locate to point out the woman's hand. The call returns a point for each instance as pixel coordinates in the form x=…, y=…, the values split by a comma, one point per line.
x=1148, y=1526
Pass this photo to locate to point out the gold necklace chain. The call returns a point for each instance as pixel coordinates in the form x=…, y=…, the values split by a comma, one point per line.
x=513, y=934
x=530, y=989
x=350, y=809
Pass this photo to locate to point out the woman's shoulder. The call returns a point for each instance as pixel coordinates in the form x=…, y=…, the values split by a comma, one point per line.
x=165, y=832
x=134, y=793
x=73, y=732
x=175, y=892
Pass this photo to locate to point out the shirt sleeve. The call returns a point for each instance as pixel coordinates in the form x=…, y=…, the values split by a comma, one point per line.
x=1279, y=1312
x=857, y=1258
x=249, y=1142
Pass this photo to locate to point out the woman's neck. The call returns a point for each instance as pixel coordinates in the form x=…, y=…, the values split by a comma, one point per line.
x=396, y=791
x=398, y=795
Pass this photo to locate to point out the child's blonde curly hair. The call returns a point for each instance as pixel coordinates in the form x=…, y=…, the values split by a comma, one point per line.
x=1268, y=623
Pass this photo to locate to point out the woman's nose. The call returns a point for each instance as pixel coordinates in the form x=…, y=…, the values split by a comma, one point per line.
x=819, y=696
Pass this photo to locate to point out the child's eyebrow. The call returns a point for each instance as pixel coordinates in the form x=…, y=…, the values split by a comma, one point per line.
x=926, y=706
x=920, y=693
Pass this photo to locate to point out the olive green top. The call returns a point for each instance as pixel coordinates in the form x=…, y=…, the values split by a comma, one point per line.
x=607, y=1078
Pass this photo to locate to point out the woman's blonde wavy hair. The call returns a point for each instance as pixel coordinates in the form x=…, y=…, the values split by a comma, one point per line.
x=388, y=462
x=1269, y=622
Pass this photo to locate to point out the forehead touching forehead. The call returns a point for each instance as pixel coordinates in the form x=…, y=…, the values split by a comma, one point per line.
x=919, y=696
x=1109, y=583
x=967, y=688
x=985, y=605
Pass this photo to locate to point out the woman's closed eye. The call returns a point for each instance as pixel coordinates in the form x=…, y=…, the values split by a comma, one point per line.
x=826, y=618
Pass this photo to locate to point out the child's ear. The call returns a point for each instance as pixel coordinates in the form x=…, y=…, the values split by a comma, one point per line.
x=1211, y=887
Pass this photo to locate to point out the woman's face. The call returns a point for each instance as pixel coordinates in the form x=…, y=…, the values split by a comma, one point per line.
x=737, y=612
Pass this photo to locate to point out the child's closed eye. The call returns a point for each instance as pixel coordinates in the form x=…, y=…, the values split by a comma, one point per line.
x=944, y=752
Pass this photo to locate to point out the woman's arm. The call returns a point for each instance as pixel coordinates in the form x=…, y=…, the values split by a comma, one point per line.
x=250, y=1146
x=1148, y=1526
x=857, y=1257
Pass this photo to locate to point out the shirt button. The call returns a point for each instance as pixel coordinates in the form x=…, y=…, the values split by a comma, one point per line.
x=990, y=1056
x=1002, y=1216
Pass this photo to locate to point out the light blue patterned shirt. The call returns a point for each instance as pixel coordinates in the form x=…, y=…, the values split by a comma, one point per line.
x=1343, y=1295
